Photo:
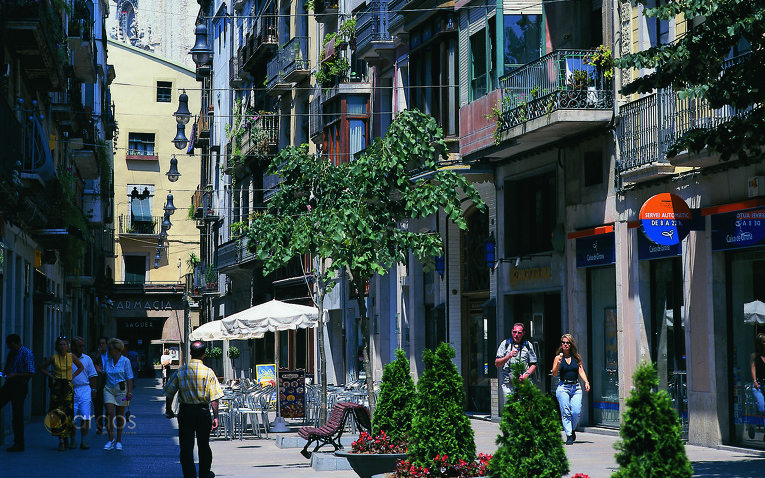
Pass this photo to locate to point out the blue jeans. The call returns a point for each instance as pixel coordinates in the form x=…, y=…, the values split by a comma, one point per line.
x=570, y=400
x=758, y=397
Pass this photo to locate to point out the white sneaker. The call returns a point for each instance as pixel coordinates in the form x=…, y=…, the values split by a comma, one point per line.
x=109, y=445
x=118, y=446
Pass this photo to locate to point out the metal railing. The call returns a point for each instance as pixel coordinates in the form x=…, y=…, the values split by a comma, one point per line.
x=234, y=252
x=373, y=24
x=130, y=226
x=205, y=278
x=262, y=135
x=270, y=185
x=563, y=79
x=294, y=55
x=650, y=125
x=274, y=72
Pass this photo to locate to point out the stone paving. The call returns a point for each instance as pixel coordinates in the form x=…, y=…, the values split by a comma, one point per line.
x=151, y=450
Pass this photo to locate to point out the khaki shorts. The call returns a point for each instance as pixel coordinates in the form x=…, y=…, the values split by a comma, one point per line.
x=115, y=396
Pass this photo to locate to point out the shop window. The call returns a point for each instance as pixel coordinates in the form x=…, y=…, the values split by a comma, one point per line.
x=164, y=91
x=523, y=40
x=530, y=214
x=135, y=269
x=604, y=345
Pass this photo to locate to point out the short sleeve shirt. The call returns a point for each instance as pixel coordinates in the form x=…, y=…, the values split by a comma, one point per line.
x=119, y=372
x=83, y=379
x=526, y=355
x=195, y=383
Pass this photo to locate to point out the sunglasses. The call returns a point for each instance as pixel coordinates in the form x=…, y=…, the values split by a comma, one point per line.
x=565, y=342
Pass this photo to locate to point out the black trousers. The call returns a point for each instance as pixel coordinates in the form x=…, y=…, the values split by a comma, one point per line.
x=98, y=409
x=15, y=392
x=195, y=420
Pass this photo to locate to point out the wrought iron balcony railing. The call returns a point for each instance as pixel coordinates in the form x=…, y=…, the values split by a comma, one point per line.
x=373, y=25
x=205, y=278
x=559, y=80
x=650, y=125
x=128, y=225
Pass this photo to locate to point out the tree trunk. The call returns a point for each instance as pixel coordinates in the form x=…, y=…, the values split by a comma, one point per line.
x=357, y=284
x=321, y=288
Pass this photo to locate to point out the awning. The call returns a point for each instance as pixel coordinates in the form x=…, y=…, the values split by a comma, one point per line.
x=171, y=332
x=141, y=209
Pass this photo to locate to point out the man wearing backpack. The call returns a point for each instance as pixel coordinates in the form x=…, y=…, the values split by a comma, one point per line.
x=511, y=351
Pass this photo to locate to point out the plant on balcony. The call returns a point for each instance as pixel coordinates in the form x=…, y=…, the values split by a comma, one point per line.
x=579, y=80
x=80, y=20
x=211, y=277
x=192, y=262
x=245, y=127
x=602, y=58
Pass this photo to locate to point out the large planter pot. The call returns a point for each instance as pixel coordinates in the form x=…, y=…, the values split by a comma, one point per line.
x=366, y=465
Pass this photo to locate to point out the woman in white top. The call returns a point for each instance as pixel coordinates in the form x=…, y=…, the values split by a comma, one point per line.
x=117, y=392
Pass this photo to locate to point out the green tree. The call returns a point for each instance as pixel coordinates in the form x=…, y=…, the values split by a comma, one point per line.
x=395, y=407
x=439, y=426
x=651, y=444
x=693, y=65
x=396, y=179
x=530, y=441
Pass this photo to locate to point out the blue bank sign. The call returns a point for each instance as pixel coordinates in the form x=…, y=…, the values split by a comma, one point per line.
x=733, y=230
x=598, y=250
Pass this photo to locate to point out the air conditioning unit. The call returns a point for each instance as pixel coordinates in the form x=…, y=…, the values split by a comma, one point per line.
x=756, y=186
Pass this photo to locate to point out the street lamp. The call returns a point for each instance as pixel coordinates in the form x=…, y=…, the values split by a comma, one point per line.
x=201, y=53
x=180, y=141
x=173, y=174
x=166, y=224
x=183, y=115
x=169, y=206
x=157, y=258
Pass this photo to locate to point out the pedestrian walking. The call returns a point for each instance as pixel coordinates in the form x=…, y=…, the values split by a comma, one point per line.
x=84, y=392
x=512, y=350
x=198, y=391
x=118, y=392
x=61, y=410
x=99, y=359
x=568, y=363
x=19, y=368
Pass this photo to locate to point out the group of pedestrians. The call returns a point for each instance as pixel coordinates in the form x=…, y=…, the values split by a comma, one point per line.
x=81, y=386
x=567, y=365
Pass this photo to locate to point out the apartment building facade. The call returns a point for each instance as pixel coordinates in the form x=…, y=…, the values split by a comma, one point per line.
x=565, y=164
x=56, y=180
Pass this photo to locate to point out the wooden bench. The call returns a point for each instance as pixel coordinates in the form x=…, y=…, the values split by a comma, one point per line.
x=330, y=432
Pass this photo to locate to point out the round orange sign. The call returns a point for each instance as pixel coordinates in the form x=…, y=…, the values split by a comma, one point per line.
x=666, y=219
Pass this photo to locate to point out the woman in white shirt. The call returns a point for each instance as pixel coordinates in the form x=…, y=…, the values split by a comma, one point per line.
x=117, y=392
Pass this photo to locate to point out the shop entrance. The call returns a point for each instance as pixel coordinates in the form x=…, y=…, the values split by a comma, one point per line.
x=604, y=345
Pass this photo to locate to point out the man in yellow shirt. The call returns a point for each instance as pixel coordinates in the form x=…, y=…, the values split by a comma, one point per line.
x=198, y=391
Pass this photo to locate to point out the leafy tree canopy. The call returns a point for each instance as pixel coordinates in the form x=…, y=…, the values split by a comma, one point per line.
x=695, y=66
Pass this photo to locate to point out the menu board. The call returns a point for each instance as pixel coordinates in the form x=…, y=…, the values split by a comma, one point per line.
x=292, y=393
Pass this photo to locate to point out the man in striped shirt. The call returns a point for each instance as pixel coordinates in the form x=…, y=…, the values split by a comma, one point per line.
x=198, y=391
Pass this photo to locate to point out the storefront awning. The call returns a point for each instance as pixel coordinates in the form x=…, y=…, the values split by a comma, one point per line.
x=171, y=332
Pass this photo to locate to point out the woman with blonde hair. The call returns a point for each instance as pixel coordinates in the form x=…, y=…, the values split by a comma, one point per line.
x=568, y=363
x=117, y=392
x=61, y=408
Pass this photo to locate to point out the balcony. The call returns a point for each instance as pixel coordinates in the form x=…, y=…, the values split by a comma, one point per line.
x=203, y=203
x=201, y=129
x=62, y=109
x=373, y=42
x=234, y=78
x=325, y=10
x=396, y=20
x=295, y=59
x=270, y=185
x=315, y=120
x=205, y=279
x=85, y=158
x=233, y=256
x=263, y=137
x=260, y=43
x=276, y=84
x=130, y=226
x=81, y=42
x=650, y=125
x=110, y=122
x=34, y=30
x=552, y=98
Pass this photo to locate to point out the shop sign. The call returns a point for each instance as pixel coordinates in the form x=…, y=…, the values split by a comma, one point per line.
x=595, y=250
x=666, y=219
x=648, y=249
x=529, y=274
x=733, y=230
x=144, y=305
x=139, y=324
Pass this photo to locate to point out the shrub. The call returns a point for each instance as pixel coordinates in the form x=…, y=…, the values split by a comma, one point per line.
x=651, y=444
x=234, y=352
x=214, y=352
x=395, y=407
x=379, y=443
x=530, y=441
x=440, y=428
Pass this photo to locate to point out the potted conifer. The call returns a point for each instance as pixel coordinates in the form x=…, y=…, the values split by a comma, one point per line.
x=652, y=443
x=530, y=441
x=391, y=423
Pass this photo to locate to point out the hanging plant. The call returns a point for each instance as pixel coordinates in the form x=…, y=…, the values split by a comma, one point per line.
x=234, y=352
